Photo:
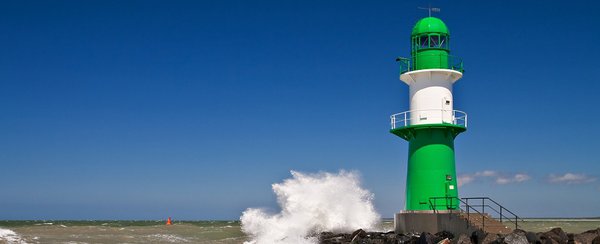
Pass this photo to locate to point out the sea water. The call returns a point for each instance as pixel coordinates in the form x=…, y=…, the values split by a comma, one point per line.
x=121, y=232
x=209, y=232
x=309, y=204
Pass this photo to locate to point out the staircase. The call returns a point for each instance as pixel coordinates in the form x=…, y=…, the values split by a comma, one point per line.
x=495, y=220
x=485, y=222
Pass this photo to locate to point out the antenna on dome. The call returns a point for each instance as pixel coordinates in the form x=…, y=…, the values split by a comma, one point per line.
x=430, y=9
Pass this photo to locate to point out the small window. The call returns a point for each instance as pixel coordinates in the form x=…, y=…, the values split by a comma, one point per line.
x=434, y=41
x=443, y=42
x=424, y=42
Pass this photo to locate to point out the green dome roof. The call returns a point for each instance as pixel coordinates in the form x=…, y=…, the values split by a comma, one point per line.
x=428, y=25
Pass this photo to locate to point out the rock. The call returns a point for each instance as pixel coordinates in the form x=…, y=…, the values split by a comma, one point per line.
x=478, y=236
x=444, y=241
x=532, y=237
x=444, y=235
x=357, y=235
x=556, y=235
x=462, y=239
x=544, y=238
x=391, y=237
x=516, y=237
x=492, y=239
x=519, y=232
x=330, y=238
x=407, y=239
x=594, y=231
x=585, y=237
x=427, y=238
x=559, y=235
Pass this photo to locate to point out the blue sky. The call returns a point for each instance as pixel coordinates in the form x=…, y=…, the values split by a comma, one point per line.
x=192, y=109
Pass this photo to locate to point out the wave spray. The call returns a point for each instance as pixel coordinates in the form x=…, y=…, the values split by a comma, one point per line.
x=310, y=204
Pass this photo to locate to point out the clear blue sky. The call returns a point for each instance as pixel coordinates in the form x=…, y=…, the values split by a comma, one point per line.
x=192, y=109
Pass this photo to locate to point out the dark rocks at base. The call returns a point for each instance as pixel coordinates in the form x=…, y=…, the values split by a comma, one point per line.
x=554, y=236
x=587, y=236
x=362, y=237
x=478, y=236
x=516, y=237
x=445, y=234
x=462, y=239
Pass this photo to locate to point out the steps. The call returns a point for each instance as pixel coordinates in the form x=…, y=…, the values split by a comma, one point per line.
x=485, y=222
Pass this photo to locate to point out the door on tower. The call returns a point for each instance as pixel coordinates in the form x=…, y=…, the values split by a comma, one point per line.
x=451, y=201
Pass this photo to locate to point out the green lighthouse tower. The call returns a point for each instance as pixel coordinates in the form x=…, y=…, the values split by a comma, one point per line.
x=431, y=124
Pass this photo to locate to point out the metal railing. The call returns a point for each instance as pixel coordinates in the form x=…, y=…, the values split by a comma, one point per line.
x=502, y=213
x=465, y=208
x=462, y=205
x=428, y=116
x=445, y=62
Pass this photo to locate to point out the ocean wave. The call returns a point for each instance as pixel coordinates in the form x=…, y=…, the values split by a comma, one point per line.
x=11, y=237
x=310, y=204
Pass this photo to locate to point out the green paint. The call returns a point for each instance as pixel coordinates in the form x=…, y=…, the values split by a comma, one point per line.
x=430, y=47
x=430, y=44
x=430, y=24
x=431, y=166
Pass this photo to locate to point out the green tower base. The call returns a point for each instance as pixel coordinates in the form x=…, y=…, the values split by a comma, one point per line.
x=431, y=166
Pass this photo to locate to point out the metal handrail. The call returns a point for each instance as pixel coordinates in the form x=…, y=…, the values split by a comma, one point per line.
x=500, y=211
x=409, y=64
x=465, y=201
x=406, y=118
x=468, y=207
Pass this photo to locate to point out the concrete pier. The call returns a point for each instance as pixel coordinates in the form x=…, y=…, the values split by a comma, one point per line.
x=432, y=222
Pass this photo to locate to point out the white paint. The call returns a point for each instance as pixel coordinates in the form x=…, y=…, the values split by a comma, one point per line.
x=431, y=100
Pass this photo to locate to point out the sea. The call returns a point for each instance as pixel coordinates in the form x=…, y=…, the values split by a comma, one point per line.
x=101, y=231
x=308, y=203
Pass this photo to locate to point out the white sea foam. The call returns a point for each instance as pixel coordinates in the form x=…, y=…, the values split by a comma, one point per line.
x=10, y=237
x=312, y=203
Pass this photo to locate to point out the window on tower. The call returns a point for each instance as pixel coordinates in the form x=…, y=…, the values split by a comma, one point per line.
x=434, y=41
x=443, y=42
x=424, y=41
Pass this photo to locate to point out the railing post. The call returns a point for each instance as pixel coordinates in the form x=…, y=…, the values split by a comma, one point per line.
x=501, y=214
x=483, y=213
x=483, y=206
x=454, y=117
x=405, y=119
x=468, y=206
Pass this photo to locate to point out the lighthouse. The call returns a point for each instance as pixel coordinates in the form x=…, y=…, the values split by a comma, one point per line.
x=432, y=123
